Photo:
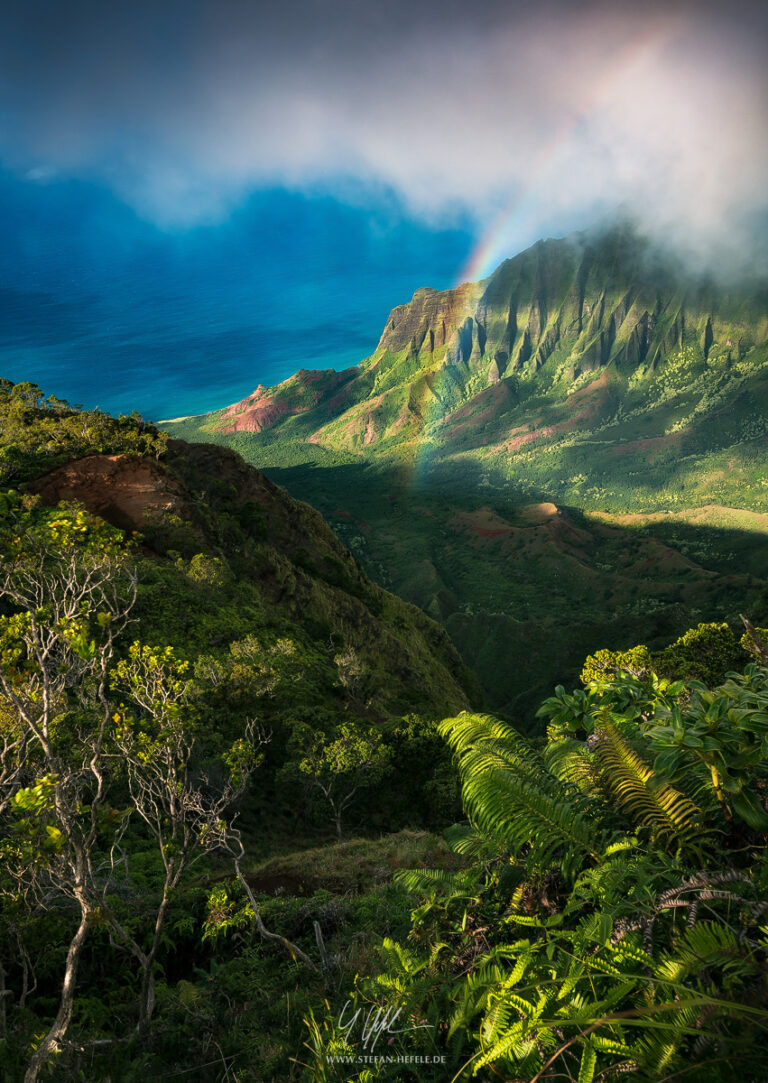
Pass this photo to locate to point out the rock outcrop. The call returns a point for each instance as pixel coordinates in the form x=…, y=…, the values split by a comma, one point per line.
x=126, y=491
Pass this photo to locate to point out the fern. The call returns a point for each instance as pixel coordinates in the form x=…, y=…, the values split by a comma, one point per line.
x=708, y=944
x=669, y=815
x=430, y=880
x=634, y=940
x=588, y=1063
x=569, y=761
x=510, y=794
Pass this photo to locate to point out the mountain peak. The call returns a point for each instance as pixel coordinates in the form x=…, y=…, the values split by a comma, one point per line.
x=547, y=321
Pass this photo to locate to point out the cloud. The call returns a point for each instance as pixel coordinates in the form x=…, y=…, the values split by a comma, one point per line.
x=534, y=121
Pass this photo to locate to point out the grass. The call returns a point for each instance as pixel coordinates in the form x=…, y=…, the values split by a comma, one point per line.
x=357, y=865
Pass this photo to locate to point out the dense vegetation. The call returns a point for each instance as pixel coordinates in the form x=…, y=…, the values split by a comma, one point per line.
x=611, y=919
x=143, y=675
x=200, y=706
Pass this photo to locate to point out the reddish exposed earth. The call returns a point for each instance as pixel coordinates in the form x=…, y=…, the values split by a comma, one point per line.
x=126, y=491
x=265, y=406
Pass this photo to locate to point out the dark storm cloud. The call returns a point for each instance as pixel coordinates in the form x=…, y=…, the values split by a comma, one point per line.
x=556, y=113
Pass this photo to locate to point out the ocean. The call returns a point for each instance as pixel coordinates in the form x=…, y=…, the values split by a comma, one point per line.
x=102, y=308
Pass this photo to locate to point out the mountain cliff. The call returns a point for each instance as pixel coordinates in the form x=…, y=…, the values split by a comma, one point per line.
x=569, y=337
x=589, y=375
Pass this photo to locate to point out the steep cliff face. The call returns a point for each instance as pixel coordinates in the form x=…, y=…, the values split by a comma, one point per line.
x=545, y=323
x=589, y=303
x=126, y=491
x=428, y=322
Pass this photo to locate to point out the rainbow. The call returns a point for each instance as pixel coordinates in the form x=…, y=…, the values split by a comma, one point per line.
x=495, y=241
x=489, y=250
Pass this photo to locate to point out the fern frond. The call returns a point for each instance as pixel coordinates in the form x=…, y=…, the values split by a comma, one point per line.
x=521, y=814
x=670, y=815
x=451, y=883
x=468, y=841
x=569, y=761
x=512, y=1043
x=475, y=992
x=588, y=1063
x=707, y=944
x=482, y=742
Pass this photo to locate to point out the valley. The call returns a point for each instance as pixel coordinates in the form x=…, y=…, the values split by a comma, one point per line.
x=588, y=426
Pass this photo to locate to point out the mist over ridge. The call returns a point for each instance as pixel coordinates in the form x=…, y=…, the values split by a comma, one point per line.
x=532, y=122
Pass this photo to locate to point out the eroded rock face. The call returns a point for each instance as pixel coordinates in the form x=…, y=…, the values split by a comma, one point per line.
x=259, y=411
x=126, y=491
x=429, y=321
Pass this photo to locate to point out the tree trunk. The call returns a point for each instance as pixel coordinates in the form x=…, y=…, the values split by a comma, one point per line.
x=147, y=1002
x=51, y=1041
x=293, y=949
x=3, y=994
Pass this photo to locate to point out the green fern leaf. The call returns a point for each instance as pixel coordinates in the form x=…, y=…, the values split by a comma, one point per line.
x=588, y=1063
x=669, y=814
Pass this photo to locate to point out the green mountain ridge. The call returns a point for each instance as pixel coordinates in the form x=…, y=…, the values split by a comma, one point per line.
x=590, y=374
x=568, y=337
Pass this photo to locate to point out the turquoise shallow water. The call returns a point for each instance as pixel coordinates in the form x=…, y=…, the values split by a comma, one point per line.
x=103, y=309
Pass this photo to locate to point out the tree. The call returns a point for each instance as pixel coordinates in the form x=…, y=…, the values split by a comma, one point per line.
x=69, y=582
x=223, y=836
x=341, y=766
x=156, y=742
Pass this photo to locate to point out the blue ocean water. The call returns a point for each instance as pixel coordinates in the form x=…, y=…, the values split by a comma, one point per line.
x=104, y=309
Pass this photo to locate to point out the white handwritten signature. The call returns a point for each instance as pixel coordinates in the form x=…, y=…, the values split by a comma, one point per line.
x=374, y=1023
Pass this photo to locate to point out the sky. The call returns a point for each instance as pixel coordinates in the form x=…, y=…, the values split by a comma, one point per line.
x=438, y=137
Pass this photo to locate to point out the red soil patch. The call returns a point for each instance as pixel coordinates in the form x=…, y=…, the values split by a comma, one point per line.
x=498, y=398
x=537, y=434
x=595, y=395
x=266, y=406
x=125, y=491
x=598, y=387
x=369, y=436
x=483, y=523
x=261, y=410
x=653, y=446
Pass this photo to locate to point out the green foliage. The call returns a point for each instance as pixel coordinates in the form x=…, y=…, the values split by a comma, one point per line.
x=38, y=433
x=339, y=765
x=751, y=647
x=605, y=663
x=511, y=795
x=611, y=920
x=705, y=653
x=602, y=907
